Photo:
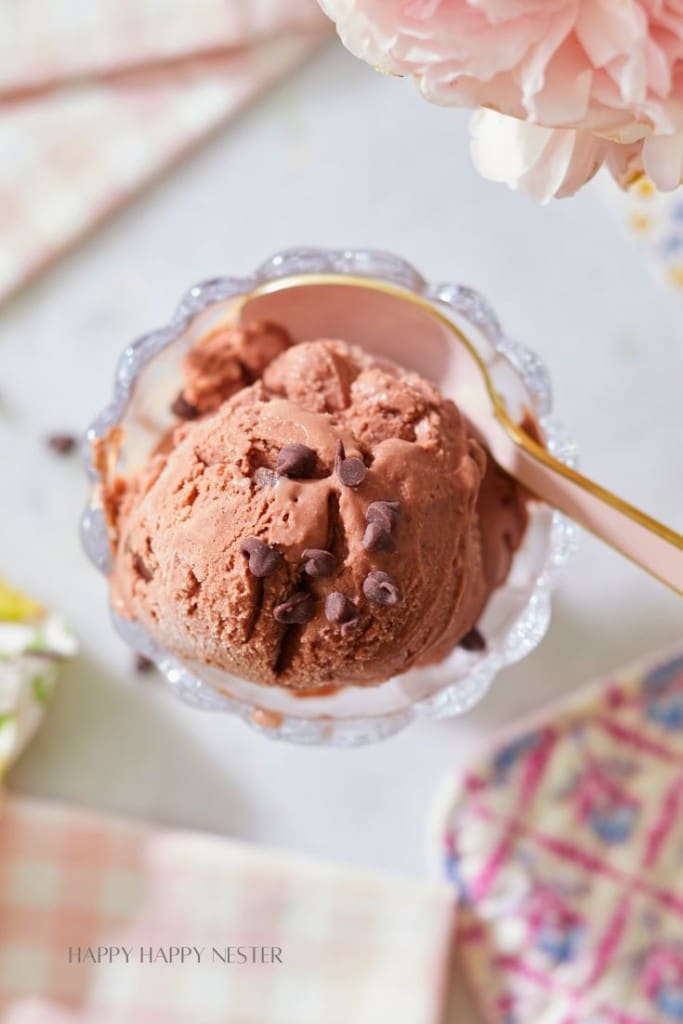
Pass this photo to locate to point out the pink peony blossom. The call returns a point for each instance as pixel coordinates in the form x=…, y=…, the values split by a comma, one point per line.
x=564, y=86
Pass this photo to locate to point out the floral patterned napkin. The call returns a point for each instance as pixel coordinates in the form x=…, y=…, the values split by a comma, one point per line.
x=565, y=844
x=33, y=643
x=654, y=221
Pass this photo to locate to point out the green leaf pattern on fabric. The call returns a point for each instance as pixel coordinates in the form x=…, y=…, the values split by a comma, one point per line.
x=32, y=650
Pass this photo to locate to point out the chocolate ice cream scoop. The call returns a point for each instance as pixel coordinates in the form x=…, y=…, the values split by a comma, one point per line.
x=318, y=520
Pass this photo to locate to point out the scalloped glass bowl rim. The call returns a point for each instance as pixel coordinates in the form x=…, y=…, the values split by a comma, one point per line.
x=530, y=626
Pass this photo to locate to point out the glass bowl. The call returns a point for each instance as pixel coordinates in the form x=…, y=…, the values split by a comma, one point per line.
x=381, y=302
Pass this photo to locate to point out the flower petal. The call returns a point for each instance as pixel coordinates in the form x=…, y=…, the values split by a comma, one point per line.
x=541, y=162
x=594, y=80
x=663, y=160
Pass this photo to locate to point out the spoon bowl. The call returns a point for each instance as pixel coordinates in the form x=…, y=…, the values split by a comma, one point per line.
x=396, y=323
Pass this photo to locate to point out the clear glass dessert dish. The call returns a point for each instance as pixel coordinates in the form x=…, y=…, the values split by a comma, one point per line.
x=380, y=302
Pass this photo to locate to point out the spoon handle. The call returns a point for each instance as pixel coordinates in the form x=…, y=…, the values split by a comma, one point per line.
x=655, y=547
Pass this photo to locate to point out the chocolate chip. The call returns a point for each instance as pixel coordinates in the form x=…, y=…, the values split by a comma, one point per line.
x=296, y=460
x=351, y=472
x=183, y=409
x=473, y=641
x=296, y=610
x=250, y=544
x=63, y=444
x=143, y=665
x=318, y=562
x=380, y=588
x=141, y=568
x=376, y=538
x=385, y=513
x=339, y=609
x=263, y=560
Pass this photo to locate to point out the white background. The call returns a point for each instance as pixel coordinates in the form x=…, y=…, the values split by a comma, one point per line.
x=338, y=156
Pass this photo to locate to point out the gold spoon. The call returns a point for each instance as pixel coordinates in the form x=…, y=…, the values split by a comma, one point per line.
x=397, y=323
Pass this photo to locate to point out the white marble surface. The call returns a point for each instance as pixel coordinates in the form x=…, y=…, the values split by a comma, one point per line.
x=339, y=156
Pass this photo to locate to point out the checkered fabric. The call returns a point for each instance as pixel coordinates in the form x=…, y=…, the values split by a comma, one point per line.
x=97, y=97
x=355, y=946
x=566, y=847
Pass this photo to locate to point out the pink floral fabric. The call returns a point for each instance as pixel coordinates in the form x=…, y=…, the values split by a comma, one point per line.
x=565, y=846
x=562, y=86
x=654, y=222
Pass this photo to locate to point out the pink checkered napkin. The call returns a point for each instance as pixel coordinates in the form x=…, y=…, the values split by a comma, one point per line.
x=357, y=947
x=566, y=847
x=98, y=97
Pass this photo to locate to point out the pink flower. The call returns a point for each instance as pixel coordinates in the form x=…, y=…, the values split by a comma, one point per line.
x=564, y=85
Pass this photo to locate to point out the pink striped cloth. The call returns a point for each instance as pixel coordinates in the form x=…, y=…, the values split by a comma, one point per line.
x=97, y=97
x=106, y=922
x=565, y=845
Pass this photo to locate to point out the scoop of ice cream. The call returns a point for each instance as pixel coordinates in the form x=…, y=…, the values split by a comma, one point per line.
x=321, y=525
x=225, y=360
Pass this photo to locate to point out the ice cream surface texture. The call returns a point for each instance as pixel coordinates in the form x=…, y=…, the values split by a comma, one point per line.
x=316, y=517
